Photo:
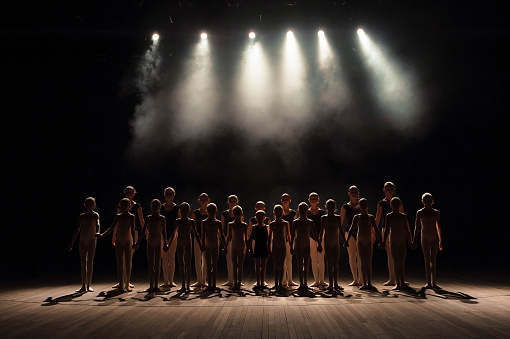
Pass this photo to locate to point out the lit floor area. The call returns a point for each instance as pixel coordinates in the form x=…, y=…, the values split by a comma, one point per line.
x=467, y=306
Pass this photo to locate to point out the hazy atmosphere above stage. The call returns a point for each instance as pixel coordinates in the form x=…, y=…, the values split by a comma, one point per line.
x=92, y=104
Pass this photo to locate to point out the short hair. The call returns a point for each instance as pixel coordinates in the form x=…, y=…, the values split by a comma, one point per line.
x=233, y=196
x=260, y=202
x=260, y=213
x=211, y=208
x=89, y=202
x=185, y=207
x=125, y=202
x=169, y=189
x=155, y=203
x=395, y=202
x=427, y=196
x=302, y=206
x=129, y=189
x=285, y=195
x=203, y=195
x=330, y=202
x=278, y=209
x=237, y=210
x=389, y=184
x=363, y=203
x=313, y=194
x=353, y=188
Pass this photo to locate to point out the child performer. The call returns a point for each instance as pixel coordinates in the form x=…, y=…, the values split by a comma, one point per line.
x=397, y=227
x=330, y=230
x=227, y=216
x=124, y=227
x=288, y=215
x=237, y=241
x=211, y=232
x=348, y=211
x=317, y=258
x=362, y=224
x=199, y=215
x=279, y=236
x=260, y=236
x=183, y=228
x=171, y=212
x=87, y=227
x=383, y=208
x=155, y=230
x=259, y=206
x=302, y=230
x=428, y=220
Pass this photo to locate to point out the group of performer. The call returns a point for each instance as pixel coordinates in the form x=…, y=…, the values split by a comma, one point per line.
x=311, y=233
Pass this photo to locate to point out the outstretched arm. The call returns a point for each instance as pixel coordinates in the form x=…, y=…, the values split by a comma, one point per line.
x=112, y=228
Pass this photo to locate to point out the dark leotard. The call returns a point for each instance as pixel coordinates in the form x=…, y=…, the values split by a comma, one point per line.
x=289, y=218
x=198, y=221
x=260, y=235
x=228, y=219
x=386, y=208
x=349, y=214
x=316, y=222
x=170, y=217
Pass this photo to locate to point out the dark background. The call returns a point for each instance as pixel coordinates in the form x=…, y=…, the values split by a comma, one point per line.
x=68, y=105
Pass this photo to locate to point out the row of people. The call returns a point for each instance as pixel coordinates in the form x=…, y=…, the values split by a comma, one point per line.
x=287, y=228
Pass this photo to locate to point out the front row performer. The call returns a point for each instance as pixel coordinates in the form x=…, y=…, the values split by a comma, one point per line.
x=211, y=232
x=279, y=236
x=238, y=237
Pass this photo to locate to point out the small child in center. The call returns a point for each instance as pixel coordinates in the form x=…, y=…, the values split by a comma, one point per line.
x=211, y=232
x=279, y=236
x=429, y=222
x=155, y=230
x=238, y=239
x=260, y=236
x=88, y=227
x=362, y=224
x=397, y=227
x=330, y=231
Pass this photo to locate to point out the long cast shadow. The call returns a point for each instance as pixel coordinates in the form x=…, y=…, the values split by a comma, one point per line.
x=65, y=298
x=466, y=298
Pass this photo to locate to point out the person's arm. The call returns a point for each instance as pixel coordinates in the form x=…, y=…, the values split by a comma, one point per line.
x=195, y=232
x=203, y=236
x=163, y=232
x=417, y=229
x=140, y=216
x=75, y=235
x=408, y=232
x=287, y=233
x=378, y=216
x=229, y=233
x=312, y=228
x=376, y=230
x=245, y=228
x=439, y=233
x=222, y=238
x=352, y=228
x=133, y=232
x=321, y=231
x=269, y=239
x=98, y=225
x=292, y=236
x=176, y=225
x=112, y=228
x=144, y=232
x=386, y=229
x=342, y=235
x=342, y=215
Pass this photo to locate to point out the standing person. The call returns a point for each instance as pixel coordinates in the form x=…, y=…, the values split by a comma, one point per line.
x=171, y=212
x=279, y=236
x=136, y=209
x=87, y=227
x=331, y=230
x=363, y=224
x=303, y=229
x=238, y=239
x=288, y=215
x=155, y=231
x=315, y=214
x=428, y=220
x=227, y=216
x=211, y=233
x=347, y=213
x=184, y=227
x=259, y=206
x=124, y=227
x=260, y=236
x=200, y=266
x=383, y=208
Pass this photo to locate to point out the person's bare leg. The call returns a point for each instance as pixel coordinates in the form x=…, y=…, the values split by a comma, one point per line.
x=230, y=268
x=165, y=260
x=329, y=261
x=204, y=270
x=315, y=263
x=425, y=246
x=391, y=266
x=301, y=269
x=150, y=260
x=91, y=251
x=188, y=267
x=306, y=258
x=182, y=269
x=321, y=265
x=208, y=263
x=157, y=268
x=287, y=267
x=128, y=254
x=433, y=256
x=215, y=255
x=171, y=263
x=263, y=263
x=198, y=263
x=240, y=266
x=334, y=262
x=83, y=248
x=119, y=253
x=353, y=253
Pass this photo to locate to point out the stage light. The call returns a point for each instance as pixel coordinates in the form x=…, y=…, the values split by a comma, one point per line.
x=251, y=35
x=360, y=31
x=155, y=37
x=290, y=34
x=321, y=33
x=203, y=36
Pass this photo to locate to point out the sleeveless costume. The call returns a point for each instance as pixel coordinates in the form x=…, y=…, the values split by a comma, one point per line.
x=260, y=235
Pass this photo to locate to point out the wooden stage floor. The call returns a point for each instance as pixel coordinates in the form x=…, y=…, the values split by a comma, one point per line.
x=466, y=307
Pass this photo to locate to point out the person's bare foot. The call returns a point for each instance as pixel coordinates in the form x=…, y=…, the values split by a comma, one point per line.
x=128, y=288
x=242, y=284
x=364, y=287
x=195, y=284
x=396, y=288
x=119, y=289
x=323, y=283
x=227, y=283
x=181, y=290
x=315, y=284
x=90, y=289
x=81, y=290
x=427, y=286
x=116, y=286
x=436, y=287
x=354, y=283
x=389, y=283
x=292, y=283
x=172, y=284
